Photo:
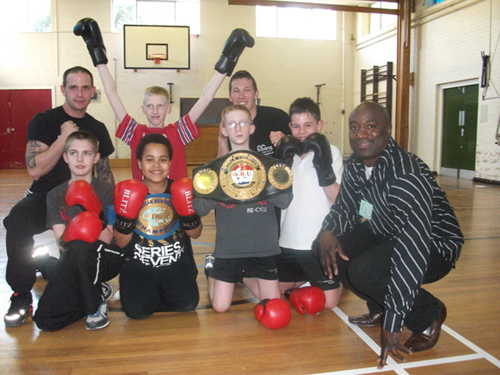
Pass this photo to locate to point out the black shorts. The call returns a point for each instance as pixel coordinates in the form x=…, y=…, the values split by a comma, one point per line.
x=302, y=265
x=233, y=270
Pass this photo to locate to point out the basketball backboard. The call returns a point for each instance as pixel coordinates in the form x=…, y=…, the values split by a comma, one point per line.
x=156, y=47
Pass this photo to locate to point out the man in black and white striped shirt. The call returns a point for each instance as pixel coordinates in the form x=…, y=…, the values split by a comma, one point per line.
x=391, y=230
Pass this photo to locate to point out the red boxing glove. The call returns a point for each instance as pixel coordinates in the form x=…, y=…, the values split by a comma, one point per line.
x=310, y=299
x=129, y=198
x=80, y=192
x=182, y=198
x=85, y=226
x=273, y=313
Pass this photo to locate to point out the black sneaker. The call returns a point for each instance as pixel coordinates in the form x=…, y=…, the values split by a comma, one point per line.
x=20, y=307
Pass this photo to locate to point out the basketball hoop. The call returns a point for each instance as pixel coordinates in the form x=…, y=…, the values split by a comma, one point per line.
x=157, y=57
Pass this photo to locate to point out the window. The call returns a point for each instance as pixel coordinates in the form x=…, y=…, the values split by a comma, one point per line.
x=150, y=12
x=381, y=21
x=429, y=3
x=25, y=16
x=296, y=23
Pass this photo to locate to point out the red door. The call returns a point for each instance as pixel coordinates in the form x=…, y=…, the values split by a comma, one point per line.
x=17, y=108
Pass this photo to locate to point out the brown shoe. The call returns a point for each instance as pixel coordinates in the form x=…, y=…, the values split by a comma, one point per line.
x=366, y=320
x=422, y=341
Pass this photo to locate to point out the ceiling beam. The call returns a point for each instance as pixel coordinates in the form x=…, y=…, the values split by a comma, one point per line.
x=337, y=7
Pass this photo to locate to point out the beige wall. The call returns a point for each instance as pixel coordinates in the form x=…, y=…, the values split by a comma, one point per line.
x=447, y=42
x=284, y=68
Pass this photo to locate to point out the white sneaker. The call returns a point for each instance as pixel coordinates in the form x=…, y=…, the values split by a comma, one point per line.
x=98, y=320
x=209, y=264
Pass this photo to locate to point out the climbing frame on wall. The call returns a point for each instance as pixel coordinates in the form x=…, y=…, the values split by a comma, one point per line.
x=376, y=85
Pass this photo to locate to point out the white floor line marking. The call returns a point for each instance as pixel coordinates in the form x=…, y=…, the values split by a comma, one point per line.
x=372, y=344
x=472, y=346
x=399, y=368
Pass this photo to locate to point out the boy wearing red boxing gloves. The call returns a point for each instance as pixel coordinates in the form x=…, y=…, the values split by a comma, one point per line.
x=154, y=221
x=75, y=214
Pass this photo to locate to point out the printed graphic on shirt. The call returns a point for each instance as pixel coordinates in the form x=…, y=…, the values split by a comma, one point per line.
x=159, y=255
x=255, y=210
x=266, y=150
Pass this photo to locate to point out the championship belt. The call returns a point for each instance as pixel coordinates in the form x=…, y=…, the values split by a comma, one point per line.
x=157, y=219
x=242, y=177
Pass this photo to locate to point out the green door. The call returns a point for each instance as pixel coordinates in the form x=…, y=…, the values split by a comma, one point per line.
x=460, y=127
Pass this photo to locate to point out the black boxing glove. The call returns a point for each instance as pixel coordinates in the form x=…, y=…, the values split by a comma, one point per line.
x=89, y=30
x=233, y=48
x=287, y=147
x=322, y=161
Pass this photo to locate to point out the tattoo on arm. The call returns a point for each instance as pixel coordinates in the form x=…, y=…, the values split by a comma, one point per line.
x=33, y=149
x=103, y=171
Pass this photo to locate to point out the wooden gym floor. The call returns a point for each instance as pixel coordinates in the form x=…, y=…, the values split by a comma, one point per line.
x=205, y=342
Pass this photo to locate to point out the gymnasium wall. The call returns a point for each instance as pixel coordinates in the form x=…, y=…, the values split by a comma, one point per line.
x=284, y=68
x=447, y=40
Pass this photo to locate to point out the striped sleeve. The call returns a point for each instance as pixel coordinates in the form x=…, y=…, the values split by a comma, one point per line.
x=188, y=131
x=126, y=129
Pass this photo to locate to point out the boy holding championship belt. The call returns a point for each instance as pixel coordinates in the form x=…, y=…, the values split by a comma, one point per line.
x=247, y=233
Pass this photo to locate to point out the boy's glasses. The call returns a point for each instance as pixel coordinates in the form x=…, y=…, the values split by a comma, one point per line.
x=242, y=124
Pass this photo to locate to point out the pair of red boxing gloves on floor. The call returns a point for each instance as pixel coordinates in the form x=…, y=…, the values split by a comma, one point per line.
x=275, y=313
x=128, y=200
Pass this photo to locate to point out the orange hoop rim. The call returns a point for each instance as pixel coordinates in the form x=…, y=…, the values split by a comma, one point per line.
x=157, y=57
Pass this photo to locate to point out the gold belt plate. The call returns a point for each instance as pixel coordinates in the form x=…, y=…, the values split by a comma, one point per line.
x=242, y=176
x=205, y=181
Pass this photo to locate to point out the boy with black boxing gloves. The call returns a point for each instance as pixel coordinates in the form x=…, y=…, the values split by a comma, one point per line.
x=75, y=214
x=317, y=171
x=156, y=102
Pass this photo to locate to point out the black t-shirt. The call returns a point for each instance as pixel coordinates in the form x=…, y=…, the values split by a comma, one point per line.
x=158, y=239
x=46, y=128
x=268, y=119
x=58, y=212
